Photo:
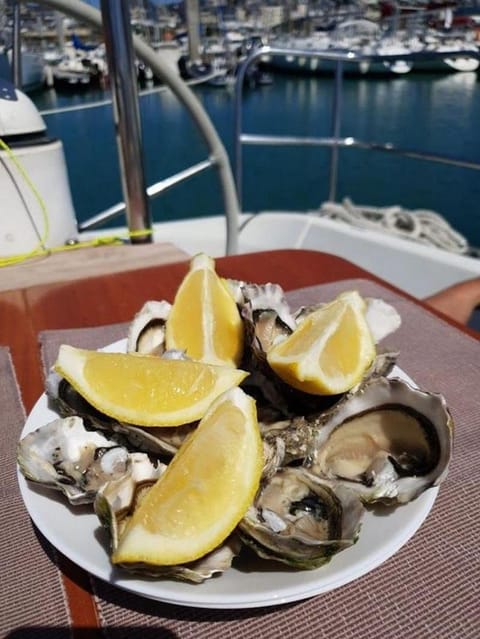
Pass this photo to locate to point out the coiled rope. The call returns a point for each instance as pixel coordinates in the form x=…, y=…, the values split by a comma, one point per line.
x=420, y=225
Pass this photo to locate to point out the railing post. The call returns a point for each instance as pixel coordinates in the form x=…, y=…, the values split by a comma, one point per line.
x=119, y=48
x=336, y=124
x=17, y=48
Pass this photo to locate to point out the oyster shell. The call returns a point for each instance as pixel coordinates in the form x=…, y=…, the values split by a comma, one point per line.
x=301, y=520
x=389, y=441
x=146, y=333
x=115, y=504
x=296, y=436
x=159, y=441
x=65, y=455
x=382, y=318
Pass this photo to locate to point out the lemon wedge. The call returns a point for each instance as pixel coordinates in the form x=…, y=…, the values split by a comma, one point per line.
x=205, y=491
x=142, y=389
x=204, y=320
x=329, y=352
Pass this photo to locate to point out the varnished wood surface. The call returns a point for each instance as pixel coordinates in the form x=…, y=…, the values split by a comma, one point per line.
x=78, y=262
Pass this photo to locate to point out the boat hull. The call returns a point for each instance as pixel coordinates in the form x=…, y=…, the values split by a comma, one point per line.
x=316, y=66
x=33, y=70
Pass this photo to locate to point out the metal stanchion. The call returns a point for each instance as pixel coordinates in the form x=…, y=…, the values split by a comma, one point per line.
x=119, y=47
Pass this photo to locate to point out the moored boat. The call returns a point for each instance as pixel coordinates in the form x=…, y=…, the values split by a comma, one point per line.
x=33, y=72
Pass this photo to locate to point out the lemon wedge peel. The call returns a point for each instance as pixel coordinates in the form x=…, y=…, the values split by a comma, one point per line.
x=145, y=390
x=329, y=351
x=204, y=320
x=205, y=491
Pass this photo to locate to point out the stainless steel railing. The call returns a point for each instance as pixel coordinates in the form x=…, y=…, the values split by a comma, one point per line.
x=335, y=141
x=217, y=157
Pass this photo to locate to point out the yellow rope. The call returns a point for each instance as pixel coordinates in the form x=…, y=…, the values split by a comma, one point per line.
x=98, y=241
x=40, y=250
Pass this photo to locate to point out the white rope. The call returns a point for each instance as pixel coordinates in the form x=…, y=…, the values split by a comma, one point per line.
x=420, y=225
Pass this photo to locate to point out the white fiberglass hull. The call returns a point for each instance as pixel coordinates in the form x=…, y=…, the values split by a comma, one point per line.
x=396, y=260
x=313, y=65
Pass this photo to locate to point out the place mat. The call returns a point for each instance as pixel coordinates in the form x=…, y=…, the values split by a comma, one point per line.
x=31, y=584
x=428, y=588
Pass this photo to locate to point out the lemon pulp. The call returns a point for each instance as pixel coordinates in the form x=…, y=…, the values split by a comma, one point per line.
x=145, y=390
x=205, y=491
x=204, y=320
x=329, y=352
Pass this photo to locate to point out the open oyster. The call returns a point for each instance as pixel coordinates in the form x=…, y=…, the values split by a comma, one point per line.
x=115, y=504
x=159, y=441
x=268, y=319
x=301, y=520
x=65, y=455
x=146, y=333
x=388, y=441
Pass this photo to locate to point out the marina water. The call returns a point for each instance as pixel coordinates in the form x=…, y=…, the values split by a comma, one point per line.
x=432, y=113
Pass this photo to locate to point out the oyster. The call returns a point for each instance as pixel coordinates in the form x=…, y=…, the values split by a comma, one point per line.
x=301, y=520
x=115, y=504
x=159, y=441
x=146, y=333
x=296, y=436
x=382, y=318
x=266, y=307
x=267, y=318
x=65, y=455
x=388, y=441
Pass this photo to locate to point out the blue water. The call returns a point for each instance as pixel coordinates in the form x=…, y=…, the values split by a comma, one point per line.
x=434, y=113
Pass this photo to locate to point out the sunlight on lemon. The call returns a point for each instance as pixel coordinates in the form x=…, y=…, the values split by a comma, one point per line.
x=329, y=352
x=205, y=321
x=204, y=492
x=145, y=390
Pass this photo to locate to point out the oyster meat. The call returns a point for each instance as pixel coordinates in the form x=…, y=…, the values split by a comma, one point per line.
x=65, y=455
x=388, y=440
x=301, y=520
x=146, y=333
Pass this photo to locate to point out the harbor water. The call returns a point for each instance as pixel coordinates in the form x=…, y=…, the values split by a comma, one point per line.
x=431, y=113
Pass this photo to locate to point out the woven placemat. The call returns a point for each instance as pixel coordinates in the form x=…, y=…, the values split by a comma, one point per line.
x=31, y=585
x=427, y=589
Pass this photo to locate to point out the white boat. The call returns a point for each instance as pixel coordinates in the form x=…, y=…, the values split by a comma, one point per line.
x=451, y=60
x=75, y=67
x=32, y=65
x=418, y=268
x=375, y=52
x=70, y=73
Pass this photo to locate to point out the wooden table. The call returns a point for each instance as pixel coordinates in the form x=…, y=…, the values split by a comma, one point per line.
x=115, y=298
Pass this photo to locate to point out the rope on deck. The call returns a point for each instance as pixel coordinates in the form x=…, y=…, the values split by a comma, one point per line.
x=420, y=225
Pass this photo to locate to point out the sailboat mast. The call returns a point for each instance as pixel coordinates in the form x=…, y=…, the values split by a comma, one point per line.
x=193, y=29
x=17, y=48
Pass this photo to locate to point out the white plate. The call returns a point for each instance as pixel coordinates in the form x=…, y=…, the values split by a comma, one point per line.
x=77, y=534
